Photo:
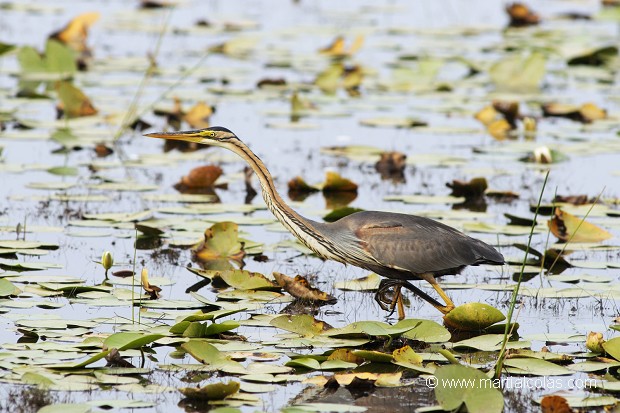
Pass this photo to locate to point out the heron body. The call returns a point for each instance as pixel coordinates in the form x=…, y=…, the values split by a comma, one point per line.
x=400, y=247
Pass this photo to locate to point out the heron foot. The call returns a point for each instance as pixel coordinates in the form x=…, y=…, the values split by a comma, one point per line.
x=389, y=296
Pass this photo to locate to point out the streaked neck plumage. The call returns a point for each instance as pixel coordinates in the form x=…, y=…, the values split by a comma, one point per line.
x=310, y=233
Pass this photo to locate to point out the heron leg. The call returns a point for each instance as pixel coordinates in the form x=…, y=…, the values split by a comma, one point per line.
x=445, y=309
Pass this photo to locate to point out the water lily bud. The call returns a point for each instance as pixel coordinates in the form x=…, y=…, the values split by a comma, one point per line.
x=543, y=155
x=529, y=124
x=107, y=260
x=594, y=342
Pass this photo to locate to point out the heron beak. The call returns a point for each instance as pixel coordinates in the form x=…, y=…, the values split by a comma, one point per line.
x=188, y=136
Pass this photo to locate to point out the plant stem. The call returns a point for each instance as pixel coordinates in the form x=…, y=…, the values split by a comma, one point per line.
x=133, y=278
x=515, y=291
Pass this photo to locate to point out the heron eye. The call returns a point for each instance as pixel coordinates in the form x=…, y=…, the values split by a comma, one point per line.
x=212, y=134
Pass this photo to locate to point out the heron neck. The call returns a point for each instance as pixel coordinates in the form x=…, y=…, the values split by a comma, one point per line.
x=297, y=224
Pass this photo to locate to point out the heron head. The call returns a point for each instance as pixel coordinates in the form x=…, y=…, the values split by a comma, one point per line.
x=212, y=136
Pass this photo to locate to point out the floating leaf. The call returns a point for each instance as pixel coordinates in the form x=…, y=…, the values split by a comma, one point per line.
x=198, y=116
x=74, y=102
x=246, y=280
x=299, y=287
x=612, y=347
x=221, y=241
x=126, y=341
x=567, y=227
x=66, y=408
x=7, y=288
x=479, y=397
x=214, y=391
x=535, y=367
x=339, y=213
x=585, y=113
x=371, y=328
x=519, y=73
x=74, y=34
x=298, y=186
x=305, y=325
x=469, y=190
x=324, y=408
x=201, y=177
x=521, y=15
x=473, y=317
x=369, y=283
x=427, y=331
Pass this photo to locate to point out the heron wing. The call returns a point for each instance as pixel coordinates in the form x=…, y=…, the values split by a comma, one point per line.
x=417, y=244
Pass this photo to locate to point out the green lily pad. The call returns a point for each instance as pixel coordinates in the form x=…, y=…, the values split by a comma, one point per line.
x=214, y=391
x=369, y=283
x=478, y=396
x=473, y=317
x=305, y=325
x=246, y=280
x=612, y=347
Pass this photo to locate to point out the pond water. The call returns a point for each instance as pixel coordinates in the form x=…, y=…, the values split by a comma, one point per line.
x=402, y=42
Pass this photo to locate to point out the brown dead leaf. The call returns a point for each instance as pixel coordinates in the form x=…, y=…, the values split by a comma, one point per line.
x=154, y=4
x=198, y=116
x=521, y=15
x=123, y=273
x=472, y=189
x=267, y=82
x=566, y=227
x=573, y=199
x=391, y=165
x=114, y=359
x=298, y=185
x=201, y=177
x=502, y=196
x=150, y=289
x=510, y=111
x=585, y=113
x=75, y=33
x=300, y=288
x=555, y=404
x=102, y=150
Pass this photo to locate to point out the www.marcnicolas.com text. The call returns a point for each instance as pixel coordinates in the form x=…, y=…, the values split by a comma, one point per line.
x=511, y=383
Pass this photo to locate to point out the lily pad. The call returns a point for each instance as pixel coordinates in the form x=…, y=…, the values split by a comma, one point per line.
x=214, y=391
x=473, y=317
x=478, y=395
